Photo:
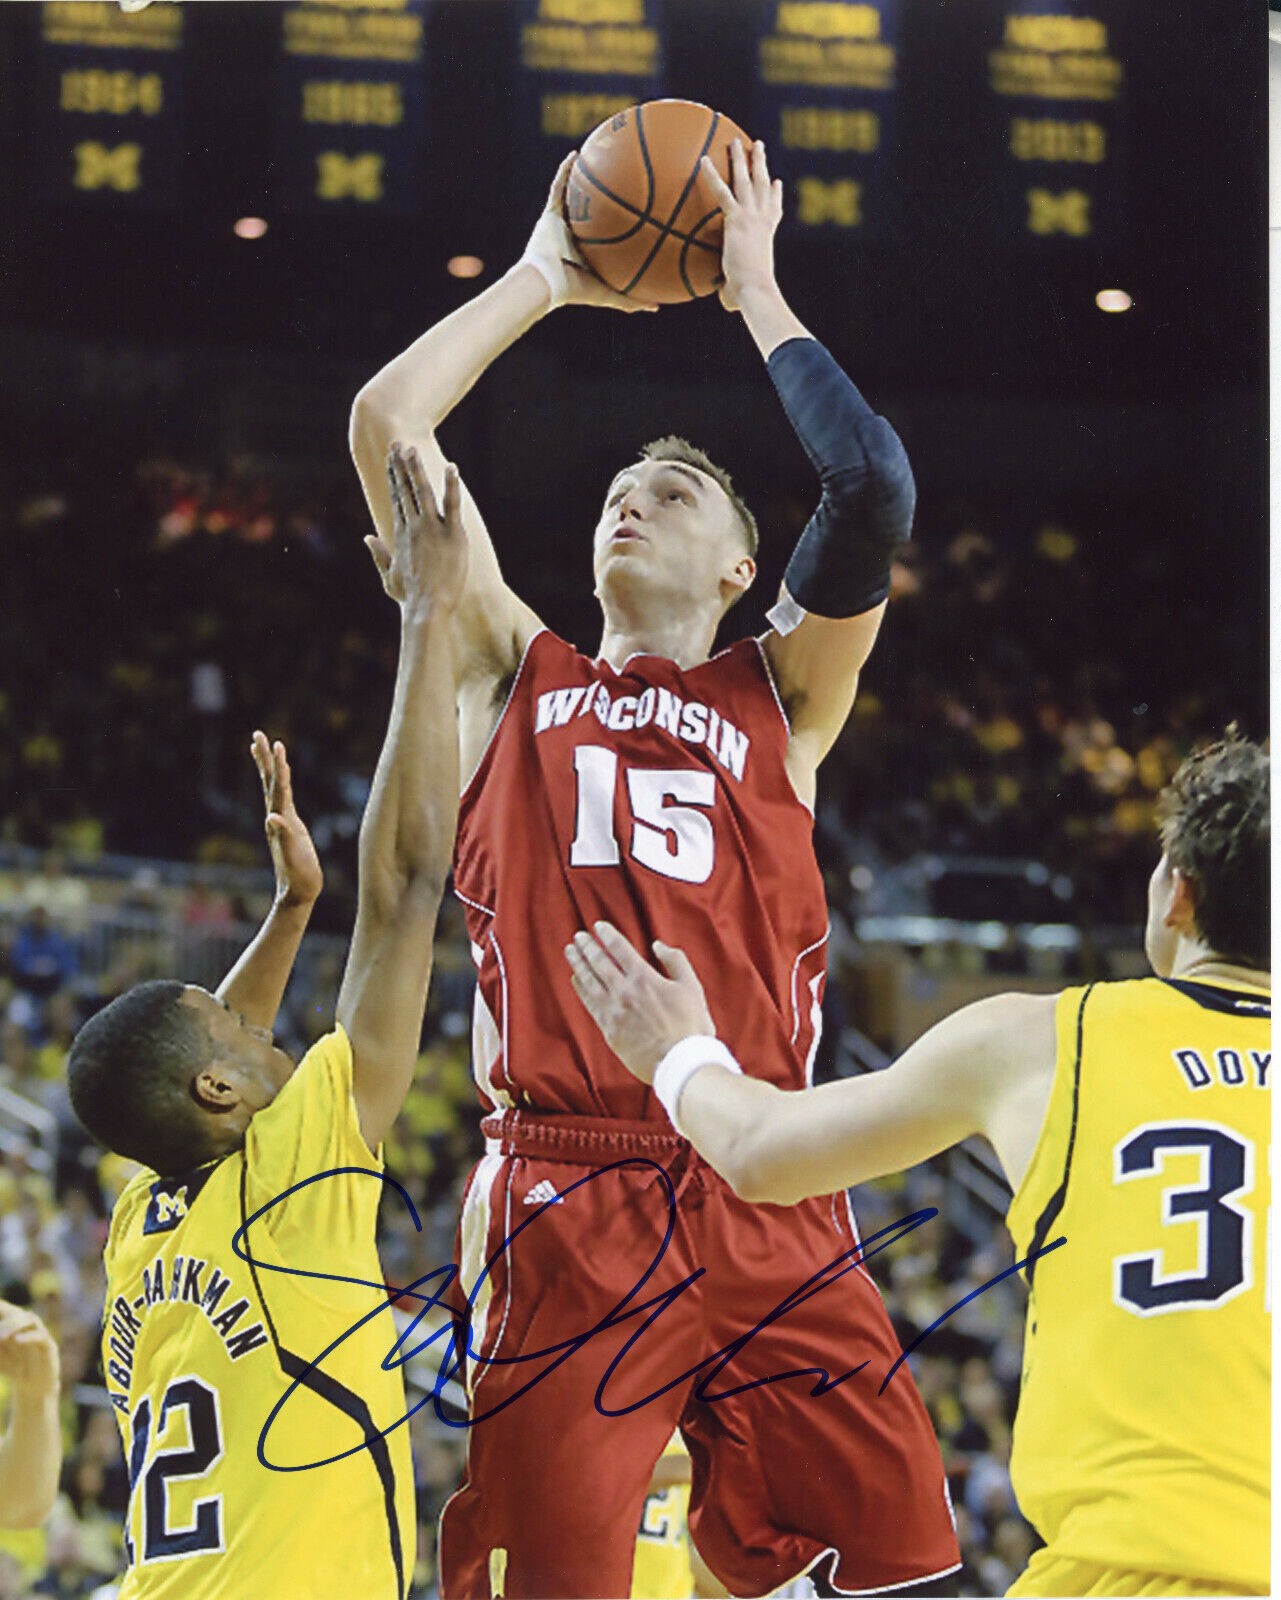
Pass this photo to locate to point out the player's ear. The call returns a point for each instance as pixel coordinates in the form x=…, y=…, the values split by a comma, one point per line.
x=213, y=1089
x=1180, y=912
x=738, y=580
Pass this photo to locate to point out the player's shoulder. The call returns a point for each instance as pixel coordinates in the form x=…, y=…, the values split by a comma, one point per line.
x=130, y=1207
x=323, y=1075
x=312, y=1125
x=1003, y=1018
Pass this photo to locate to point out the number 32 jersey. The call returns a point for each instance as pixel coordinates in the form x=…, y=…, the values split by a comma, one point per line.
x=657, y=798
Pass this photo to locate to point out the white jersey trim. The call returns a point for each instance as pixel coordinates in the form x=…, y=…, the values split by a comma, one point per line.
x=787, y=723
x=769, y=675
x=474, y=904
x=510, y=1090
x=796, y=967
x=885, y=1588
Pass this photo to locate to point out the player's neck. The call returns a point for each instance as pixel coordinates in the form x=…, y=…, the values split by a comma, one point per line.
x=686, y=640
x=1201, y=965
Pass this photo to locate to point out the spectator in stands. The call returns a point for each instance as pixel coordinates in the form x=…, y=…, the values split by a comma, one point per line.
x=42, y=961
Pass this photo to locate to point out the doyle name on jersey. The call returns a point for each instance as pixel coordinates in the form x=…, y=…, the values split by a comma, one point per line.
x=1201, y=1068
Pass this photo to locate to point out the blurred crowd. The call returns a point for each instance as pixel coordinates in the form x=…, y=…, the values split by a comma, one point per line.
x=1029, y=698
x=1002, y=716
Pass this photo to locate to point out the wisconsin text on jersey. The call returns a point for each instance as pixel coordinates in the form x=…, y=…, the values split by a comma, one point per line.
x=688, y=720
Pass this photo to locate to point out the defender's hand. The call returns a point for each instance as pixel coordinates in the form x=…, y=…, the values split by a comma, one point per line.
x=299, y=879
x=752, y=208
x=28, y=1353
x=641, y=1013
x=552, y=250
x=426, y=562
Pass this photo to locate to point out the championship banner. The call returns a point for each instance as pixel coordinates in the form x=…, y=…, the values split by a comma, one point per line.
x=826, y=72
x=349, y=100
x=107, y=112
x=580, y=61
x=1056, y=91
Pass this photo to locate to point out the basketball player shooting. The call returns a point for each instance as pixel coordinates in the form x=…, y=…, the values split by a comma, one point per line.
x=224, y=1363
x=671, y=791
x=1132, y=1119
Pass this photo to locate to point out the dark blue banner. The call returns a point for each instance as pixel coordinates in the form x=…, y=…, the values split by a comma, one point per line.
x=580, y=61
x=1056, y=90
x=826, y=73
x=350, y=105
x=107, y=111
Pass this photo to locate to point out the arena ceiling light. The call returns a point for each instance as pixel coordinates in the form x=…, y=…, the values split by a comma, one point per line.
x=1113, y=300
x=249, y=227
x=464, y=266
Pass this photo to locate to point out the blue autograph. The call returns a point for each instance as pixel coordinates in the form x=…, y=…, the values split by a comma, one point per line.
x=430, y=1291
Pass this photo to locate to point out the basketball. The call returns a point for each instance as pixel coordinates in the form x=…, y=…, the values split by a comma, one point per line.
x=640, y=210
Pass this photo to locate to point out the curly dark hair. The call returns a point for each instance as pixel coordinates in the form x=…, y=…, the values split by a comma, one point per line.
x=129, y=1076
x=1216, y=828
x=671, y=447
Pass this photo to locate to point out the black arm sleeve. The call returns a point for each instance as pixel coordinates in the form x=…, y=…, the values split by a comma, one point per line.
x=841, y=564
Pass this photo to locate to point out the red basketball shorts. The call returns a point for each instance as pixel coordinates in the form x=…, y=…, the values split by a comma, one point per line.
x=616, y=1289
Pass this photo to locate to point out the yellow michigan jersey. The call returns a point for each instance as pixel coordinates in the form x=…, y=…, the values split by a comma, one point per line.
x=1142, y=1434
x=662, y=1569
x=202, y=1349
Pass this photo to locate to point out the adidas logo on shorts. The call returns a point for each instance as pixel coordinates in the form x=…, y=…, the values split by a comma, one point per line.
x=543, y=1194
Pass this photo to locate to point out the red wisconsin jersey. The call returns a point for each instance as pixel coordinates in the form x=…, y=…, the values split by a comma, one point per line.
x=657, y=798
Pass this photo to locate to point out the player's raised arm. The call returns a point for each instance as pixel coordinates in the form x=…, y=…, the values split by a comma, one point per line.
x=31, y=1450
x=838, y=578
x=414, y=393
x=407, y=834
x=986, y=1069
x=255, y=986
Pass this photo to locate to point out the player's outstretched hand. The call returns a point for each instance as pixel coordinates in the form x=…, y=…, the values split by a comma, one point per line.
x=641, y=1013
x=425, y=565
x=551, y=249
x=28, y=1354
x=299, y=879
x=752, y=204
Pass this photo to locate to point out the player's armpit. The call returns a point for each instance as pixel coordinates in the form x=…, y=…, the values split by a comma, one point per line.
x=816, y=666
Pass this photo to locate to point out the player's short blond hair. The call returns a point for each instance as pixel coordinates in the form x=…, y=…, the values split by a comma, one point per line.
x=671, y=447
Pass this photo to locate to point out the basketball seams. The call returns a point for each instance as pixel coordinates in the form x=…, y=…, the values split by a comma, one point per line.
x=650, y=178
x=666, y=229
x=690, y=240
x=645, y=169
x=642, y=217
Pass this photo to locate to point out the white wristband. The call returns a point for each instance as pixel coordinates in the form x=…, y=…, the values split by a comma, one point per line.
x=680, y=1064
x=543, y=253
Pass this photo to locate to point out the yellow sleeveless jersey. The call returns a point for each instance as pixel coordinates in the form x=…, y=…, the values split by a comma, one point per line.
x=200, y=1345
x=1142, y=1434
